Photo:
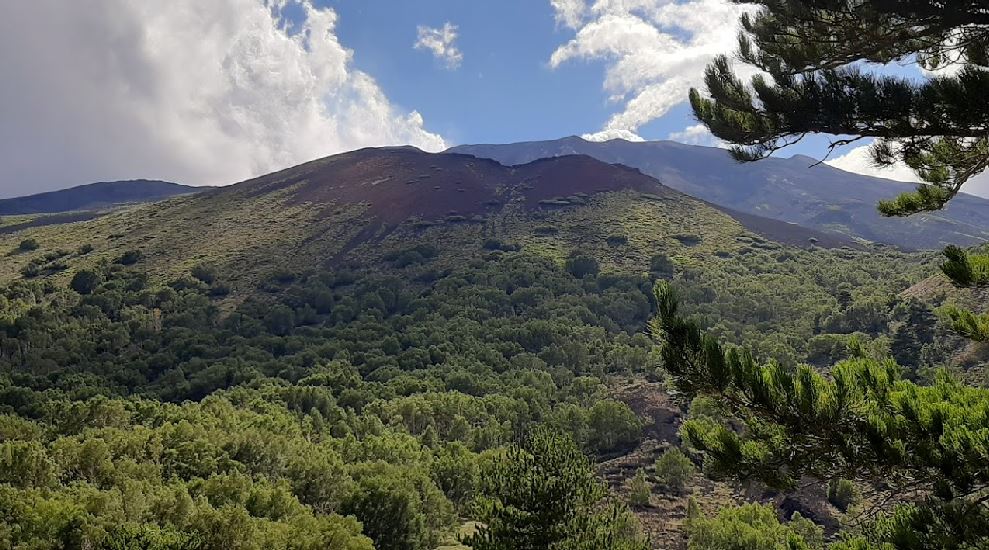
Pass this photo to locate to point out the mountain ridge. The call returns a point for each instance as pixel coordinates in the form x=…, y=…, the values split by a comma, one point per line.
x=821, y=197
x=366, y=202
x=94, y=196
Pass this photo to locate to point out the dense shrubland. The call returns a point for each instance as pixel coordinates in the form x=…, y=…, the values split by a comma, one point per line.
x=339, y=408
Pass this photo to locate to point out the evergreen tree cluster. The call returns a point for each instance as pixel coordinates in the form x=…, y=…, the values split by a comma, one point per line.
x=332, y=409
x=819, y=70
x=813, y=52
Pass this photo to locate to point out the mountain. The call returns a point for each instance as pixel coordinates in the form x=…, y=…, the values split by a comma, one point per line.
x=791, y=190
x=94, y=196
x=361, y=203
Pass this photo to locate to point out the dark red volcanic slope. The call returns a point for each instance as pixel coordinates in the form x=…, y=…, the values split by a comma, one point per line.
x=402, y=183
x=397, y=184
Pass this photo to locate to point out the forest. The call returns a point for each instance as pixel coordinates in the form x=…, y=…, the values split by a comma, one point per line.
x=353, y=407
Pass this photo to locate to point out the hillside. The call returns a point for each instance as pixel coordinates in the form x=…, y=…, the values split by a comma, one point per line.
x=94, y=196
x=360, y=203
x=822, y=197
x=258, y=365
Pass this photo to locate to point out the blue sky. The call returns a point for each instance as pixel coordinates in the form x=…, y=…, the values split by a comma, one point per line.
x=503, y=91
x=211, y=93
x=504, y=87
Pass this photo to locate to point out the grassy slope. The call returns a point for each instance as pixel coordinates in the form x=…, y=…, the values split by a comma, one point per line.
x=251, y=235
x=239, y=233
x=247, y=236
x=650, y=226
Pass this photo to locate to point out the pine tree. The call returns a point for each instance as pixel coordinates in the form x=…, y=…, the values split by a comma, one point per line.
x=543, y=494
x=639, y=489
x=812, y=51
x=863, y=421
x=860, y=422
x=674, y=470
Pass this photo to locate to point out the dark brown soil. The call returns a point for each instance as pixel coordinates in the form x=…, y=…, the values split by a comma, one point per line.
x=400, y=184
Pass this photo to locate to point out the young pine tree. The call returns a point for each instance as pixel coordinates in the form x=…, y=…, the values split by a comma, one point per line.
x=639, y=490
x=542, y=494
x=674, y=469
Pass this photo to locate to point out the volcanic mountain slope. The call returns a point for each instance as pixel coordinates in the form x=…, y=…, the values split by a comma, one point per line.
x=365, y=204
x=94, y=196
x=821, y=197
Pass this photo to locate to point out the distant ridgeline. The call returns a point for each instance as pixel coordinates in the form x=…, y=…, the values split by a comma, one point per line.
x=333, y=356
x=822, y=197
x=94, y=196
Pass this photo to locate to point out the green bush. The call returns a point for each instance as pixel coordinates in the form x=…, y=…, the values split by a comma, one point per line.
x=415, y=255
x=398, y=511
x=661, y=267
x=147, y=537
x=204, y=273
x=495, y=244
x=674, y=469
x=842, y=494
x=752, y=527
x=130, y=257
x=612, y=426
x=85, y=281
x=27, y=245
x=704, y=406
x=639, y=490
x=581, y=265
x=31, y=271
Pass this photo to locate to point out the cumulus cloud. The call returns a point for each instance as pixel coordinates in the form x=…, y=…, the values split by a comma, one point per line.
x=608, y=135
x=697, y=134
x=441, y=42
x=655, y=50
x=196, y=92
x=569, y=12
x=859, y=161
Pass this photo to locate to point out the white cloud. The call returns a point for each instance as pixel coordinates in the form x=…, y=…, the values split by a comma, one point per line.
x=569, y=12
x=197, y=92
x=441, y=42
x=655, y=50
x=979, y=185
x=697, y=134
x=858, y=160
x=608, y=135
